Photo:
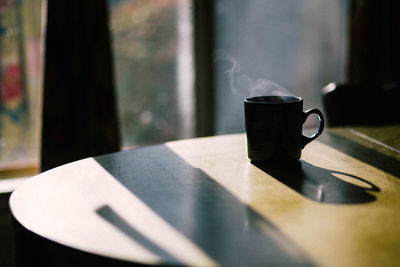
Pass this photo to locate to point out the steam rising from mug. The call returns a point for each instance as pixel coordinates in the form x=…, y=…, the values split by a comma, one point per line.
x=242, y=85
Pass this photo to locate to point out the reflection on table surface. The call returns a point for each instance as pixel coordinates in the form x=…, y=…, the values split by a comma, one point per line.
x=201, y=202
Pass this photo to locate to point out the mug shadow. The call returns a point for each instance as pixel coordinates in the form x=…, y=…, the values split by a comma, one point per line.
x=320, y=184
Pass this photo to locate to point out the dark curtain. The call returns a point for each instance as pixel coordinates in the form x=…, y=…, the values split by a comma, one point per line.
x=79, y=110
x=374, y=51
x=371, y=93
x=203, y=23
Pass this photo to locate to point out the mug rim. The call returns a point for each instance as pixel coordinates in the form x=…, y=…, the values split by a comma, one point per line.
x=293, y=99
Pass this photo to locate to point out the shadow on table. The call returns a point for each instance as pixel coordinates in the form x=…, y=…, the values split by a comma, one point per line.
x=110, y=215
x=321, y=184
x=227, y=230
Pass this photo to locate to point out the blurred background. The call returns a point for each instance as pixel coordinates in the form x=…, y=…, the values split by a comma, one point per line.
x=20, y=82
x=293, y=46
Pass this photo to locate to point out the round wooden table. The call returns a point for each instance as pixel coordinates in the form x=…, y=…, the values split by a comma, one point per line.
x=202, y=202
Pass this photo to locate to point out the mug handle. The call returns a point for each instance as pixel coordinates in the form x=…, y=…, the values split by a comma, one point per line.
x=307, y=139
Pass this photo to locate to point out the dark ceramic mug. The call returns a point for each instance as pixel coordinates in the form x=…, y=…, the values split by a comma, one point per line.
x=274, y=128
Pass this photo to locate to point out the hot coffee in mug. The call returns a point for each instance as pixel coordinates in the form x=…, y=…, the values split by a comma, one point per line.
x=274, y=128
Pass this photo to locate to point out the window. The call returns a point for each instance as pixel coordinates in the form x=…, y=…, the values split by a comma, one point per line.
x=152, y=48
x=276, y=46
x=259, y=47
x=20, y=85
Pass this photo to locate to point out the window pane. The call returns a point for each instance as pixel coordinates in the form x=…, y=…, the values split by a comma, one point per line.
x=276, y=46
x=152, y=43
x=20, y=83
